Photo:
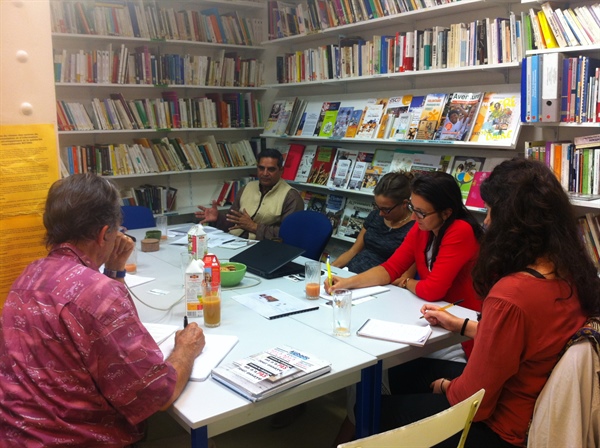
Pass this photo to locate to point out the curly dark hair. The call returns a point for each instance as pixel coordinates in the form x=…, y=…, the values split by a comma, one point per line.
x=78, y=206
x=532, y=217
x=441, y=190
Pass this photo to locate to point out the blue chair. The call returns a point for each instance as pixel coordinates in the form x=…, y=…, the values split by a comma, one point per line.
x=137, y=217
x=308, y=230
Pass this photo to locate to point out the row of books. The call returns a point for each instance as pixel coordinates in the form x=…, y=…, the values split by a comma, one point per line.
x=148, y=21
x=229, y=189
x=157, y=156
x=158, y=198
x=355, y=170
x=143, y=66
x=213, y=110
x=576, y=164
x=480, y=42
x=286, y=19
x=489, y=117
x=362, y=171
x=560, y=28
x=589, y=228
x=558, y=88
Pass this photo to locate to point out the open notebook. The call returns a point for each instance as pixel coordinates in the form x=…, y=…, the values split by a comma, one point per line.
x=216, y=348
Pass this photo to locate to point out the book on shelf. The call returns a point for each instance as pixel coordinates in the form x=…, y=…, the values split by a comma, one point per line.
x=273, y=304
x=355, y=213
x=292, y=162
x=353, y=122
x=587, y=237
x=334, y=209
x=284, y=116
x=321, y=166
x=463, y=169
x=312, y=114
x=306, y=163
x=397, y=105
x=271, y=124
x=458, y=117
x=416, y=335
x=363, y=161
x=342, y=122
x=267, y=373
x=327, y=116
x=426, y=163
x=430, y=115
x=371, y=117
x=415, y=110
x=380, y=165
x=474, y=197
x=498, y=118
x=342, y=167
x=328, y=119
x=314, y=202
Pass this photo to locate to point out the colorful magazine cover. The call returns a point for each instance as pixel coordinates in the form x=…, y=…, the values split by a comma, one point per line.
x=459, y=116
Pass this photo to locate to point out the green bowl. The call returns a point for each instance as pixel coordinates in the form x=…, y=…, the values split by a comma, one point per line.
x=232, y=278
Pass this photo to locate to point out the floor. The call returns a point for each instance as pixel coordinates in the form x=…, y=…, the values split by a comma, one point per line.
x=315, y=428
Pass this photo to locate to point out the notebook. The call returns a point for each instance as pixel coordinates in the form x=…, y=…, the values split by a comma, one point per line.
x=270, y=259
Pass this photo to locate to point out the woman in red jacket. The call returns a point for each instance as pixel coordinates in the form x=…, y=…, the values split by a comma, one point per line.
x=443, y=246
x=539, y=285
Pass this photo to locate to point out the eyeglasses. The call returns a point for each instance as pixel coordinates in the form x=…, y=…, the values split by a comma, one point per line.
x=384, y=210
x=418, y=213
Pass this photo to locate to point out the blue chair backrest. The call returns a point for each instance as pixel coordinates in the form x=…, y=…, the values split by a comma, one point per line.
x=308, y=230
x=137, y=217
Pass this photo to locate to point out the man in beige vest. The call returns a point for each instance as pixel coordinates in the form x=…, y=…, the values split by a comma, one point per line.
x=261, y=206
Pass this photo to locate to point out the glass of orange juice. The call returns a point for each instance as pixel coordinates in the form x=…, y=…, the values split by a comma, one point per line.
x=312, y=279
x=211, y=305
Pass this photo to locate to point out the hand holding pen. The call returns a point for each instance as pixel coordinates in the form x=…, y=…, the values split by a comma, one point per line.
x=437, y=315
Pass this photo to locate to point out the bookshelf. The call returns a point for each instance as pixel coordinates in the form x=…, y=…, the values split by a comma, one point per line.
x=503, y=77
x=200, y=65
x=584, y=40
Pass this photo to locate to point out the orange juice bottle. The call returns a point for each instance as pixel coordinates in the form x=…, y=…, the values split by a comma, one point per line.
x=211, y=298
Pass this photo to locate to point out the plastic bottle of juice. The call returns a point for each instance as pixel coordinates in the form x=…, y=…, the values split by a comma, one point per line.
x=193, y=288
x=197, y=241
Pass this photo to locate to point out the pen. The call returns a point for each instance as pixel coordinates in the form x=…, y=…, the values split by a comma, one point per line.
x=329, y=272
x=185, y=322
x=445, y=307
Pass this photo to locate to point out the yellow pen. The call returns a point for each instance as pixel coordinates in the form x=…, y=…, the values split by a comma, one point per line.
x=329, y=271
x=445, y=307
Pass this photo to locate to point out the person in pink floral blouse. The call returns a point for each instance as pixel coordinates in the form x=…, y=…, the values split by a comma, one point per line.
x=77, y=367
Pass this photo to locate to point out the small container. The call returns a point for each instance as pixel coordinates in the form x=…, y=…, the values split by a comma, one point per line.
x=193, y=288
x=154, y=234
x=131, y=263
x=342, y=307
x=150, y=245
x=161, y=223
x=312, y=279
x=197, y=242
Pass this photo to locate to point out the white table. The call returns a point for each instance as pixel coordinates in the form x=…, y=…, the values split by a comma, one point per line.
x=208, y=408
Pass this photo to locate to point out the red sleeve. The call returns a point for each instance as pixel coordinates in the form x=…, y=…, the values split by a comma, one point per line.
x=404, y=257
x=459, y=247
x=496, y=355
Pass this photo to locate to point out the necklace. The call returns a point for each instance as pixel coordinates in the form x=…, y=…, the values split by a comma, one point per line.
x=399, y=223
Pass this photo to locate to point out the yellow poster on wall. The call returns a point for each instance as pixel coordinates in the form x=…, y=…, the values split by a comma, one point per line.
x=28, y=166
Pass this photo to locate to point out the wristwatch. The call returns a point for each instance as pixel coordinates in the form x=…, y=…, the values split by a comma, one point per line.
x=114, y=274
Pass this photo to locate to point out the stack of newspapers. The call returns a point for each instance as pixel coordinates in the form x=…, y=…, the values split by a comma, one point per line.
x=266, y=373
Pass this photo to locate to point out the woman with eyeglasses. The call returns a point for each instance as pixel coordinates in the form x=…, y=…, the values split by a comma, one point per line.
x=538, y=284
x=385, y=228
x=443, y=245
